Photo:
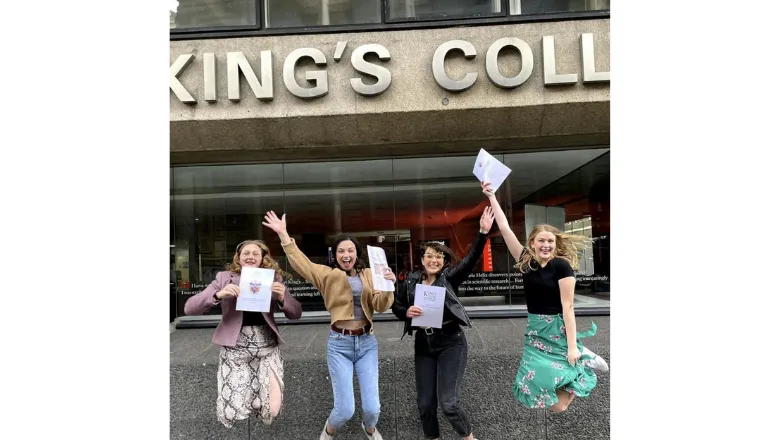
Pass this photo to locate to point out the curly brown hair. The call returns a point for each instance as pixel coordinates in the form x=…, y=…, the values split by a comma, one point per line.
x=267, y=262
x=567, y=247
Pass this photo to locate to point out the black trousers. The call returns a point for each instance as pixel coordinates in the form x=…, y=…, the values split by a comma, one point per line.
x=439, y=364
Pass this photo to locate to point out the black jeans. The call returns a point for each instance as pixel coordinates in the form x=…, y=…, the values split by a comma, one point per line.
x=439, y=364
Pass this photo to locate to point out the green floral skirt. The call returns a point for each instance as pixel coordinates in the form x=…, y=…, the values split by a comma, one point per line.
x=545, y=368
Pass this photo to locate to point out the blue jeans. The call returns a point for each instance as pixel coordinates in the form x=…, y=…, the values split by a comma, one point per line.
x=361, y=354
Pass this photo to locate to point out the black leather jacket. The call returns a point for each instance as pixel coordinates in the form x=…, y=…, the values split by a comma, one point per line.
x=451, y=278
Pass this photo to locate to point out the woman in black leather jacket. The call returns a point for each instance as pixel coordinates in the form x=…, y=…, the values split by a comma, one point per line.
x=440, y=354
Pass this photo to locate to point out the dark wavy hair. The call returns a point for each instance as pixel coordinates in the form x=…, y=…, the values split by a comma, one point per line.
x=360, y=263
x=449, y=255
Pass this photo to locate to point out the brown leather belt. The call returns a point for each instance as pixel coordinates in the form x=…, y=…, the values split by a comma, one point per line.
x=349, y=332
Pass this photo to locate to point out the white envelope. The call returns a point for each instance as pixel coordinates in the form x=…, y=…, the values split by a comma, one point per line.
x=489, y=169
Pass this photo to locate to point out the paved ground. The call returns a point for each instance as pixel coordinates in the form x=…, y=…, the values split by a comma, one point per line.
x=495, y=346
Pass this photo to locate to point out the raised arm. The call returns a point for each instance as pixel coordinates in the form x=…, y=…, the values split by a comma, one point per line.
x=512, y=243
x=313, y=273
x=461, y=272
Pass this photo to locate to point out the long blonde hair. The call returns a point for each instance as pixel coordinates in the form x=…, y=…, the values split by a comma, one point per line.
x=567, y=247
x=267, y=262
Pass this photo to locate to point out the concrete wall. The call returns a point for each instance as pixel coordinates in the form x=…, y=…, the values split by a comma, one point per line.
x=414, y=116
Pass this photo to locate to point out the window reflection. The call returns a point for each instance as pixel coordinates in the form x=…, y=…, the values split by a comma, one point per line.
x=299, y=13
x=525, y=7
x=430, y=9
x=188, y=14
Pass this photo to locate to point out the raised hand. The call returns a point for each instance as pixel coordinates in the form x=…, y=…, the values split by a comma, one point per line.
x=486, y=222
x=275, y=223
x=486, y=190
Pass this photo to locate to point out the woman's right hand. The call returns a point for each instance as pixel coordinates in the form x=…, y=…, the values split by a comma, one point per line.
x=278, y=225
x=229, y=290
x=413, y=312
x=486, y=190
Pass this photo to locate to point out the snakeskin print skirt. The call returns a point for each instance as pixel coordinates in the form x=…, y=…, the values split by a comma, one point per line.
x=244, y=376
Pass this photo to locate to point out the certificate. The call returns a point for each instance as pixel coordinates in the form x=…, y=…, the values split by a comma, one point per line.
x=255, y=289
x=431, y=300
x=488, y=169
x=377, y=260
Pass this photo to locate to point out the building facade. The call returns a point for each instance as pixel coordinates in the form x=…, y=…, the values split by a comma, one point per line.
x=366, y=117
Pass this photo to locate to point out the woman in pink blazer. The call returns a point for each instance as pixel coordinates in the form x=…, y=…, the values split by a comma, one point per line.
x=250, y=377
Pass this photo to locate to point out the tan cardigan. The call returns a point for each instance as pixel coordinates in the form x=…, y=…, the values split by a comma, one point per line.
x=335, y=290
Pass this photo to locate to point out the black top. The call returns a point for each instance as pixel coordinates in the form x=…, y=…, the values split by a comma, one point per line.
x=542, y=292
x=253, y=318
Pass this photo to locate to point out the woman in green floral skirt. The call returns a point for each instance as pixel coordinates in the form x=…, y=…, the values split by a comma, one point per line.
x=555, y=366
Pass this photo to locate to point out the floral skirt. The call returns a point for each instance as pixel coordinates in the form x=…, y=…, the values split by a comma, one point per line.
x=244, y=376
x=545, y=368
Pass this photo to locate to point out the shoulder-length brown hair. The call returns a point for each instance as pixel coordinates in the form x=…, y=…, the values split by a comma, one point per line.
x=266, y=262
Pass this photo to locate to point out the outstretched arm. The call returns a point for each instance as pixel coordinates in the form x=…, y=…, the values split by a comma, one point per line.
x=512, y=243
x=462, y=271
x=313, y=273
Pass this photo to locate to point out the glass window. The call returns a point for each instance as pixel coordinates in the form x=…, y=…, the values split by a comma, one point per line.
x=189, y=14
x=326, y=199
x=299, y=13
x=439, y=199
x=568, y=190
x=395, y=204
x=517, y=7
x=434, y=9
x=214, y=209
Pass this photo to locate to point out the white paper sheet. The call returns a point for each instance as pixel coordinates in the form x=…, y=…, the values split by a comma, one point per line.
x=377, y=260
x=431, y=300
x=255, y=287
x=489, y=169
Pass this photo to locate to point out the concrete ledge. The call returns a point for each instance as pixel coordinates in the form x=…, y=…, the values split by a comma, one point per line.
x=579, y=124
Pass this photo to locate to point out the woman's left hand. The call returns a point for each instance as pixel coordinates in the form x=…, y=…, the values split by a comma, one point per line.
x=389, y=275
x=486, y=221
x=574, y=355
x=277, y=289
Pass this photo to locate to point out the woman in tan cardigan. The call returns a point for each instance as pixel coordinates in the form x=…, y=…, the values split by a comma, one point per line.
x=349, y=296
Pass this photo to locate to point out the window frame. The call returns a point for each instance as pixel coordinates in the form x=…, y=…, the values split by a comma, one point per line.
x=386, y=24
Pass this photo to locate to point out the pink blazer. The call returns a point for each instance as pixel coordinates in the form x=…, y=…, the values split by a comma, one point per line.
x=227, y=331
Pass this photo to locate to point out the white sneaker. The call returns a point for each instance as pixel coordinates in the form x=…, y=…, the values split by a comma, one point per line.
x=375, y=436
x=324, y=434
x=597, y=363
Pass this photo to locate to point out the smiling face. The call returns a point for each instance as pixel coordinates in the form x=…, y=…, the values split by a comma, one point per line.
x=544, y=245
x=251, y=256
x=432, y=261
x=346, y=255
